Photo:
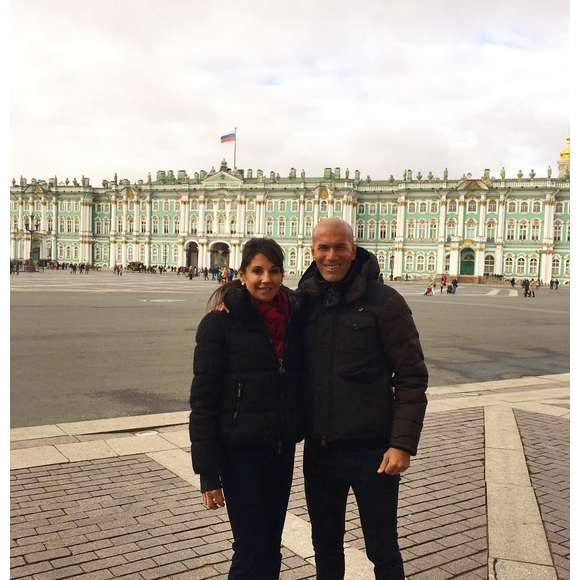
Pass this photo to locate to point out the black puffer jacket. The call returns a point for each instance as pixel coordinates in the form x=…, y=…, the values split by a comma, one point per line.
x=367, y=375
x=242, y=394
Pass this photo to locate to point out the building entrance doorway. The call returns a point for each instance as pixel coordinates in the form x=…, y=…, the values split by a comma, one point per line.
x=192, y=255
x=220, y=255
x=467, y=263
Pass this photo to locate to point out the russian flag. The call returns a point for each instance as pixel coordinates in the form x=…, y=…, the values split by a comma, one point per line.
x=231, y=136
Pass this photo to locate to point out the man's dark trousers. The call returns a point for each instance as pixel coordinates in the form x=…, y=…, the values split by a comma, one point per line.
x=256, y=484
x=329, y=472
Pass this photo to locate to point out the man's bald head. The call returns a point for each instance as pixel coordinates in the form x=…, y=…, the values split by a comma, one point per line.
x=334, y=225
x=333, y=248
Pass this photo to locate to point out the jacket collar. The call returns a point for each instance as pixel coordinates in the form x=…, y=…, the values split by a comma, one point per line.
x=353, y=286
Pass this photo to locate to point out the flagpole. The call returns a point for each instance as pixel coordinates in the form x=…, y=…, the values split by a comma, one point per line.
x=235, y=144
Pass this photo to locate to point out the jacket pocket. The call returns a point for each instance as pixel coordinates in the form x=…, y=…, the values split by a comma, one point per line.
x=238, y=404
x=360, y=332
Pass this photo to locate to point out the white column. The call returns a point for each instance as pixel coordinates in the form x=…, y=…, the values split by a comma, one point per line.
x=301, y=218
x=401, y=218
x=549, y=214
x=440, y=258
x=201, y=220
x=330, y=205
x=124, y=248
x=316, y=210
x=183, y=226
x=43, y=215
x=482, y=215
x=454, y=261
x=461, y=217
x=442, y=220
x=148, y=226
x=20, y=213
x=125, y=208
x=113, y=214
x=399, y=262
x=147, y=253
x=498, y=266
x=479, y=260
x=501, y=219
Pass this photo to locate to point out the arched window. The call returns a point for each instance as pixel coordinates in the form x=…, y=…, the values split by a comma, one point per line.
x=176, y=225
x=383, y=230
x=451, y=228
x=270, y=206
x=511, y=207
x=372, y=209
x=433, y=230
x=521, y=266
x=165, y=253
x=360, y=230
x=307, y=258
x=106, y=227
x=221, y=205
x=309, y=205
x=129, y=252
x=221, y=224
x=471, y=229
x=558, y=231
x=447, y=265
x=337, y=206
x=143, y=224
x=97, y=253
x=452, y=206
x=155, y=225
x=49, y=223
x=69, y=225
x=155, y=205
x=209, y=203
x=308, y=227
x=193, y=225
x=393, y=229
x=270, y=227
x=105, y=252
x=361, y=208
x=294, y=206
x=524, y=207
x=61, y=225
x=119, y=223
x=411, y=230
x=233, y=204
x=323, y=206
x=281, y=228
x=409, y=263
x=420, y=263
x=423, y=207
x=293, y=227
x=76, y=252
x=510, y=234
x=509, y=265
x=490, y=230
x=492, y=206
x=250, y=225
x=489, y=265
x=433, y=207
x=372, y=230
x=98, y=227
x=175, y=254
x=384, y=209
x=471, y=206
x=535, y=232
x=523, y=231
x=533, y=266
x=536, y=207
x=194, y=205
x=382, y=260
x=166, y=205
x=559, y=208
x=292, y=258
x=251, y=205
x=209, y=225
x=567, y=267
x=431, y=263
x=556, y=266
x=130, y=224
x=165, y=224
x=131, y=206
x=422, y=229
x=412, y=207
x=155, y=253
x=282, y=206
x=233, y=225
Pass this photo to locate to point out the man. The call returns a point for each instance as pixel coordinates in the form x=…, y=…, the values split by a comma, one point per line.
x=365, y=400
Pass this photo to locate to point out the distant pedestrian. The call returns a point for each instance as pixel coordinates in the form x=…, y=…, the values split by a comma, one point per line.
x=513, y=282
x=454, y=285
x=533, y=287
x=552, y=284
x=381, y=278
x=556, y=283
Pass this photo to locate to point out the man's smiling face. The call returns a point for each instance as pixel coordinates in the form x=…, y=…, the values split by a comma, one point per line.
x=333, y=249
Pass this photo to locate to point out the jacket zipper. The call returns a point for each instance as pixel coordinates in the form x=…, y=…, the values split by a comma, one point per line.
x=238, y=403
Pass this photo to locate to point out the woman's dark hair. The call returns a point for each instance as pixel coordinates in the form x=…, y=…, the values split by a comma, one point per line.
x=253, y=246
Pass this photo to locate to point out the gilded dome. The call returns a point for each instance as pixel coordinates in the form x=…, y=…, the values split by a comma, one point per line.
x=565, y=153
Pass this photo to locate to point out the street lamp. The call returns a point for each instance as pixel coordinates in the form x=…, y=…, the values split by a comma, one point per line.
x=31, y=224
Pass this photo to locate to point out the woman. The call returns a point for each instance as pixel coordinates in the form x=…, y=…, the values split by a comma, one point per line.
x=246, y=408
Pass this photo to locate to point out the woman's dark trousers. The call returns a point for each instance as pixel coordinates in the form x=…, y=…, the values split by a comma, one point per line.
x=256, y=484
x=329, y=473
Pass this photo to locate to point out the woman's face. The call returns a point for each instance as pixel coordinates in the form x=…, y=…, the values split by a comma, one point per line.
x=262, y=278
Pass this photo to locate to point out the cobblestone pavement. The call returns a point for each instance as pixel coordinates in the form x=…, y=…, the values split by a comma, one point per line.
x=93, y=500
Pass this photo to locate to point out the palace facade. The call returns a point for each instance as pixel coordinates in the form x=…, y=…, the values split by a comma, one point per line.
x=418, y=226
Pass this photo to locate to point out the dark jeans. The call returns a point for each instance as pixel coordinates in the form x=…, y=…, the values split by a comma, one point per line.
x=256, y=484
x=329, y=473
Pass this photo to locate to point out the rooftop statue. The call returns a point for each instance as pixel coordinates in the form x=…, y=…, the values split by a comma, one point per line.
x=430, y=176
x=520, y=173
x=445, y=174
x=302, y=175
x=532, y=174
x=346, y=173
x=75, y=182
x=419, y=175
x=149, y=177
x=391, y=178
x=13, y=181
x=502, y=173
x=549, y=171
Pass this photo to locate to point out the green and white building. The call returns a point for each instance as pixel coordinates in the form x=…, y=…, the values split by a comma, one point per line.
x=420, y=226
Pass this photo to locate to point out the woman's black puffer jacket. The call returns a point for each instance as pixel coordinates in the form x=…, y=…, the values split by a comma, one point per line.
x=242, y=394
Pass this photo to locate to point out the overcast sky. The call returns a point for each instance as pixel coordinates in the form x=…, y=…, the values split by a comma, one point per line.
x=134, y=86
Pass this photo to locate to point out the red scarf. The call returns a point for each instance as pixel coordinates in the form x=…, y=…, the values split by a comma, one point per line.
x=275, y=314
